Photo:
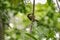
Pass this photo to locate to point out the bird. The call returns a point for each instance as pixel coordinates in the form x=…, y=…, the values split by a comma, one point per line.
x=30, y=17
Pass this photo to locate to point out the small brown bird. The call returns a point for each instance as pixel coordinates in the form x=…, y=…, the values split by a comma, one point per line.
x=30, y=17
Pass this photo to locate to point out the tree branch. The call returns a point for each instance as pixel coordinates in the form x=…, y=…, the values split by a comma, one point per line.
x=32, y=18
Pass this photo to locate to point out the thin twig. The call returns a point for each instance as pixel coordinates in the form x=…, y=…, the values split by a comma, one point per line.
x=33, y=10
x=32, y=18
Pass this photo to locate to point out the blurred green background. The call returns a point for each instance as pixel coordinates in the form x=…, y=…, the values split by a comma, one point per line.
x=16, y=25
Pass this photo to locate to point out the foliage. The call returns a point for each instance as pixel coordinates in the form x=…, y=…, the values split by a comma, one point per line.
x=14, y=12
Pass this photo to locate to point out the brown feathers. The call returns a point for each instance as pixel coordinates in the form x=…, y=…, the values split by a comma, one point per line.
x=30, y=17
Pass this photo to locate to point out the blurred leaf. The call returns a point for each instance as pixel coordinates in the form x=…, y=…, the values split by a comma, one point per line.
x=15, y=3
x=51, y=35
x=51, y=4
x=50, y=14
x=28, y=7
x=30, y=35
x=59, y=0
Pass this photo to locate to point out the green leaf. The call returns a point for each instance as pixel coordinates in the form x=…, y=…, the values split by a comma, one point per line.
x=49, y=2
x=59, y=0
x=30, y=35
x=50, y=14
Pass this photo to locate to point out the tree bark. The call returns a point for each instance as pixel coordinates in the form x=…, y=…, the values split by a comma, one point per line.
x=1, y=30
x=1, y=27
